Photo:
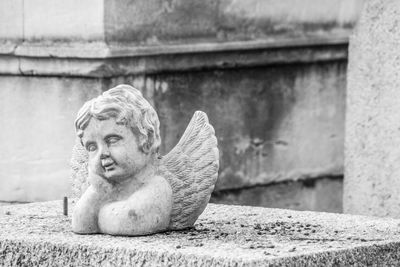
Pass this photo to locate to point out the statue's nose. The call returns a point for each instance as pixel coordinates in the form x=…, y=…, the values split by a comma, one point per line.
x=105, y=153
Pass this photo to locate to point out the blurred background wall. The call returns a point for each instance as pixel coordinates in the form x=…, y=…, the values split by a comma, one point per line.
x=271, y=75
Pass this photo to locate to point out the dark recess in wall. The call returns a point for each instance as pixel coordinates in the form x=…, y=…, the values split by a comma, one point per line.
x=320, y=194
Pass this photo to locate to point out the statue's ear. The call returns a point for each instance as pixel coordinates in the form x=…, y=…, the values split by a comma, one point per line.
x=147, y=144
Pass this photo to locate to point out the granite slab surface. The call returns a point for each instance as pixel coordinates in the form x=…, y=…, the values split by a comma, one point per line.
x=38, y=234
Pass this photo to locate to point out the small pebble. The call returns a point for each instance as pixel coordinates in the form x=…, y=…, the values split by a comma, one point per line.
x=178, y=246
x=292, y=249
x=8, y=212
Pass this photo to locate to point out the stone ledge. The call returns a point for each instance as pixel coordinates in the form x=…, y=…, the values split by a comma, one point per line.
x=38, y=234
x=101, y=60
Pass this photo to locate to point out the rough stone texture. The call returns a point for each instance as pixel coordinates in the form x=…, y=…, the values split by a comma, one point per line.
x=38, y=234
x=372, y=184
x=323, y=194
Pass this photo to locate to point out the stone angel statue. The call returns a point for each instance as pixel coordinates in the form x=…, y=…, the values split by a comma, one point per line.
x=132, y=190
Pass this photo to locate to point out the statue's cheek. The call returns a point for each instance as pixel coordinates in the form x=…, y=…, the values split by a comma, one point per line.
x=118, y=154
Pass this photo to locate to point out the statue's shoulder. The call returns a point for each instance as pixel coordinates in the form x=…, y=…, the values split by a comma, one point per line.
x=159, y=184
x=156, y=189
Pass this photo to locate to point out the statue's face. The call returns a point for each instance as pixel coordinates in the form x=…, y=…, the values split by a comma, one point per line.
x=113, y=150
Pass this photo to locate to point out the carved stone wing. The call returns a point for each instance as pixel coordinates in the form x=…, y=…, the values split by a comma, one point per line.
x=192, y=170
x=79, y=169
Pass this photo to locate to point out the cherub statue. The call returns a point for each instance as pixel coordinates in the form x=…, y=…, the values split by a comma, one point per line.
x=132, y=189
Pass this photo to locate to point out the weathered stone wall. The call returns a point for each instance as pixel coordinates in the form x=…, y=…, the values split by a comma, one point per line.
x=267, y=119
x=270, y=75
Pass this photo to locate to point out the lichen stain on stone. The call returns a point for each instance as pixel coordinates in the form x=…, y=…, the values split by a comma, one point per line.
x=161, y=86
x=242, y=144
x=132, y=214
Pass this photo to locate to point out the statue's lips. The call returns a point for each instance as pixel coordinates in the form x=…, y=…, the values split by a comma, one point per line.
x=108, y=165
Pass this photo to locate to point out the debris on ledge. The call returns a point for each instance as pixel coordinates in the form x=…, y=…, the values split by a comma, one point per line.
x=39, y=234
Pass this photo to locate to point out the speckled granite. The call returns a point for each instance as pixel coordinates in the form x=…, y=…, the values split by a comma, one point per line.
x=38, y=234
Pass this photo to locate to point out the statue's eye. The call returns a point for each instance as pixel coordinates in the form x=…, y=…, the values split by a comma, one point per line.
x=112, y=139
x=91, y=147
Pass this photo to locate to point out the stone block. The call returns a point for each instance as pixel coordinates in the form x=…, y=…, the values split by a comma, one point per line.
x=372, y=165
x=39, y=234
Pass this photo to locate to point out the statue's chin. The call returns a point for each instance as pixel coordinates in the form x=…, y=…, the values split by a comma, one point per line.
x=115, y=177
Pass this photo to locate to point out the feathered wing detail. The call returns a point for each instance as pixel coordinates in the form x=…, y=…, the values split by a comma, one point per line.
x=79, y=169
x=192, y=170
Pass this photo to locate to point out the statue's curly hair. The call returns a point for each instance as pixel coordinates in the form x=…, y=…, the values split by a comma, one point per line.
x=127, y=105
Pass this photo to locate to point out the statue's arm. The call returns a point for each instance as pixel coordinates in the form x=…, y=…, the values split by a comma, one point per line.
x=146, y=211
x=85, y=215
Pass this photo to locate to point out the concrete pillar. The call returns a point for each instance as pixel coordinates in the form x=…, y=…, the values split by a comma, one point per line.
x=372, y=143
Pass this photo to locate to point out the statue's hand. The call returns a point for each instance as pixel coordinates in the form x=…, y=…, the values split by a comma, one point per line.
x=99, y=183
x=86, y=211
